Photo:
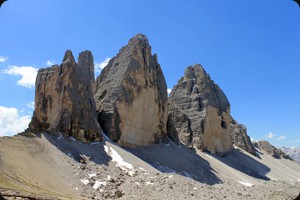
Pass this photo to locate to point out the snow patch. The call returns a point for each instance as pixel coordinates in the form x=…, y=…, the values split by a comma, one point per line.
x=137, y=183
x=142, y=169
x=118, y=159
x=246, y=183
x=99, y=184
x=149, y=183
x=125, y=166
x=108, y=177
x=92, y=175
x=85, y=181
x=195, y=188
x=298, y=180
x=106, y=149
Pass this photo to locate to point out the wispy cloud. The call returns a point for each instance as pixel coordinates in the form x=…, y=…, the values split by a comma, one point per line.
x=50, y=62
x=11, y=121
x=30, y=105
x=270, y=135
x=280, y=138
x=27, y=73
x=3, y=59
x=169, y=90
x=99, y=66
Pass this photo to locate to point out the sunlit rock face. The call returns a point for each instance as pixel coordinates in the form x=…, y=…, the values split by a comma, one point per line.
x=131, y=96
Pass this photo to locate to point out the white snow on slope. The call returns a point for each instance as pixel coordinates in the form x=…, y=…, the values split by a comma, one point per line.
x=99, y=184
x=92, y=175
x=85, y=181
x=125, y=166
x=246, y=183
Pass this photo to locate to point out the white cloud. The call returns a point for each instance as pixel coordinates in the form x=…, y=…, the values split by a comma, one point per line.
x=11, y=122
x=101, y=65
x=3, y=59
x=28, y=74
x=30, y=105
x=270, y=135
x=252, y=139
x=50, y=62
x=280, y=138
x=169, y=90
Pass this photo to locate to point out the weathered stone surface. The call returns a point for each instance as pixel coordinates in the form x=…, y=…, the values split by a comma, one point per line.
x=64, y=99
x=270, y=149
x=240, y=137
x=131, y=96
x=201, y=112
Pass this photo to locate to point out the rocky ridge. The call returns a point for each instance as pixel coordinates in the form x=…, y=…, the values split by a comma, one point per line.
x=270, y=149
x=64, y=99
x=131, y=96
x=240, y=137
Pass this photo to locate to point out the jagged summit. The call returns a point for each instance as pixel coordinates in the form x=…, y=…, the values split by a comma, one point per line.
x=201, y=111
x=131, y=96
x=139, y=39
x=68, y=57
x=64, y=99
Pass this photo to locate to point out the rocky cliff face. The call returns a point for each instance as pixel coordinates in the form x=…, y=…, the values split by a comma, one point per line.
x=131, y=96
x=270, y=149
x=64, y=99
x=240, y=137
x=201, y=112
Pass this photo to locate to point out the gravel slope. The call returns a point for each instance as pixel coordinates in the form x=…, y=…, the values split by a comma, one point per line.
x=54, y=167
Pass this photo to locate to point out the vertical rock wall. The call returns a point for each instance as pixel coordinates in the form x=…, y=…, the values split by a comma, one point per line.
x=131, y=96
x=64, y=99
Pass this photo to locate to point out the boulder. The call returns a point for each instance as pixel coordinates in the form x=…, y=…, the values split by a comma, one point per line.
x=240, y=138
x=201, y=112
x=64, y=99
x=131, y=96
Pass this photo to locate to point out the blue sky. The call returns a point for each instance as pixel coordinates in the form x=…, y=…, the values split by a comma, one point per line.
x=251, y=49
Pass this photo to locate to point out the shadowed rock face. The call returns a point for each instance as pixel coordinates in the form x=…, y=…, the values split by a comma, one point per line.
x=131, y=96
x=240, y=137
x=201, y=112
x=64, y=99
